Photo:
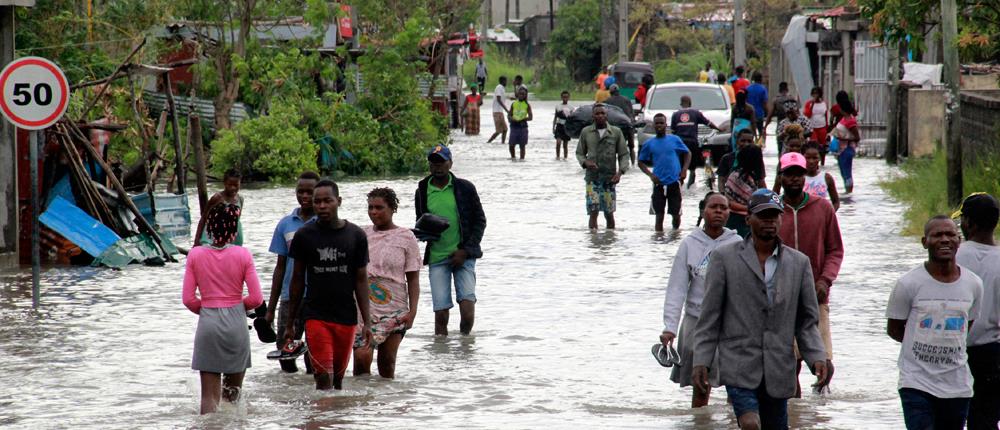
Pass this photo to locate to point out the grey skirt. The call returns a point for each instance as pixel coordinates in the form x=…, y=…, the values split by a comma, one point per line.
x=682, y=374
x=222, y=342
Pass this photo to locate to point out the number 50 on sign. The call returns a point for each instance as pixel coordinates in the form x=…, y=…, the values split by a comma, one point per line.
x=34, y=93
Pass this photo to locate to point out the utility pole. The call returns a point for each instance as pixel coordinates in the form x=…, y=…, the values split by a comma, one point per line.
x=952, y=113
x=892, y=135
x=739, y=35
x=622, y=30
x=552, y=17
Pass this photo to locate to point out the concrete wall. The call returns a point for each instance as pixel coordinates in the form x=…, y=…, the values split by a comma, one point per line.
x=8, y=156
x=980, y=123
x=925, y=121
x=980, y=82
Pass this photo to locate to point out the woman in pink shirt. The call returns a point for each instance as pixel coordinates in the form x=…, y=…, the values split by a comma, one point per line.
x=213, y=289
x=394, y=285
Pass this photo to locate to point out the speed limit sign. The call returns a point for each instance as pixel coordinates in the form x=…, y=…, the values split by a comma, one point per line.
x=34, y=93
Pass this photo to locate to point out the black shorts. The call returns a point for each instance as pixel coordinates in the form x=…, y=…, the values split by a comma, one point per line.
x=668, y=197
x=697, y=159
x=560, y=133
x=518, y=135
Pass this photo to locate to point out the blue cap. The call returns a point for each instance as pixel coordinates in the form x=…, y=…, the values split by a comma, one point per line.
x=764, y=199
x=440, y=151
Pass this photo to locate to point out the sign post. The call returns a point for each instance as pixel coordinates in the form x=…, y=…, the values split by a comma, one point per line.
x=33, y=96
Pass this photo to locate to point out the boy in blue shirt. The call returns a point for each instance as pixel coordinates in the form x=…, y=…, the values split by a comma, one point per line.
x=281, y=242
x=663, y=154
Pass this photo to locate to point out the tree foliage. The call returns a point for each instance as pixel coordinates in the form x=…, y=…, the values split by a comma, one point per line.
x=274, y=146
x=576, y=41
x=912, y=21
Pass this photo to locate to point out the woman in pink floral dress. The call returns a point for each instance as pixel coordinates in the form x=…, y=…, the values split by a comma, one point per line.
x=394, y=282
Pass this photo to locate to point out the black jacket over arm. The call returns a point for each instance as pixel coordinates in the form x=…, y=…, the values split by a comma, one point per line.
x=471, y=218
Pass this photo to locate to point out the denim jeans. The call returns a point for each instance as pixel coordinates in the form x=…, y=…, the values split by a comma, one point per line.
x=773, y=412
x=922, y=411
x=441, y=275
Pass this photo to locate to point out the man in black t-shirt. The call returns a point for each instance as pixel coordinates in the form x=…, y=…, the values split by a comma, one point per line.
x=684, y=124
x=331, y=259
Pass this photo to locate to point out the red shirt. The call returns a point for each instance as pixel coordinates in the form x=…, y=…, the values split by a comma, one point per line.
x=741, y=85
x=640, y=95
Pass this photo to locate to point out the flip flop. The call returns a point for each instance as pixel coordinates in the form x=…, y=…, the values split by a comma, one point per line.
x=291, y=351
x=675, y=358
x=662, y=355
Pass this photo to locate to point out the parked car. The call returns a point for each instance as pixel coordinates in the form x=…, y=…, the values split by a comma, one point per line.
x=628, y=76
x=712, y=100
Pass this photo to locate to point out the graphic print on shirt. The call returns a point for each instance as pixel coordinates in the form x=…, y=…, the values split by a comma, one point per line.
x=941, y=330
x=333, y=255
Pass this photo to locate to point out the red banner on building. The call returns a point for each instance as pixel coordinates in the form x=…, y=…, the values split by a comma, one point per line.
x=346, y=26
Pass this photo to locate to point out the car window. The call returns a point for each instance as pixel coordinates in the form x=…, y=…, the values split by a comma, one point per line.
x=629, y=79
x=702, y=98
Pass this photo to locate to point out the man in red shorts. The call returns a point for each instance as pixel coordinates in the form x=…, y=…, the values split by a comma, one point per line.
x=331, y=258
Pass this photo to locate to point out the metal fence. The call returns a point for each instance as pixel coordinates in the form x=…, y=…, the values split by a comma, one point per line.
x=871, y=95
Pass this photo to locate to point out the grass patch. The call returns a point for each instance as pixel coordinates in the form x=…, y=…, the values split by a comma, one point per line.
x=922, y=185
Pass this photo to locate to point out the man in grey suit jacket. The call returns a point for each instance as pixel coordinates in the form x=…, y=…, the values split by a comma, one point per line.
x=759, y=297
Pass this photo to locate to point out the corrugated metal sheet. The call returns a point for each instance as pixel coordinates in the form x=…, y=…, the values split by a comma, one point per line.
x=173, y=217
x=74, y=224
x=423, y=84
x=871, y=62
x=204, y=108
x=871, y=96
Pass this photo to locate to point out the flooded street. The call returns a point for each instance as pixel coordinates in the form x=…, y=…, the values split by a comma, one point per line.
x=565, y=321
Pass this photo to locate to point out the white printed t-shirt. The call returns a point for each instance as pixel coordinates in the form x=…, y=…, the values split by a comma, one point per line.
x=498, y=94
x=984, y=260
x=932, y=358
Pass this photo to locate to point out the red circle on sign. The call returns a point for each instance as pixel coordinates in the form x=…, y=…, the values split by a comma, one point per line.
x=62, y=86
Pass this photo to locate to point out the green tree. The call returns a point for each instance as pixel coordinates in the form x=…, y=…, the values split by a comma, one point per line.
x=576, y=41
x=978, y=24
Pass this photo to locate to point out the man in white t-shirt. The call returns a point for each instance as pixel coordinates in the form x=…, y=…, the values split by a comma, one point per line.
x=930, y=311
x=981, y=255
x=499, y=112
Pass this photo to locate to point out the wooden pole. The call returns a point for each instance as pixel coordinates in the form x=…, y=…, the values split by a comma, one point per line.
x=949, y=33
x=179, y=170
x=194, y=125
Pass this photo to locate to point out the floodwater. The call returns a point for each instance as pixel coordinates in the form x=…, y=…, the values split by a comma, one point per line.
x=566, y=318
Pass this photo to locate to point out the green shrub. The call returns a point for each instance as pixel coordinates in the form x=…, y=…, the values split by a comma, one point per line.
x=269, y=147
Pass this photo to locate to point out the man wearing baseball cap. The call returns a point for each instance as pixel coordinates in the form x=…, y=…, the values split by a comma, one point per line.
x=454, y=254
x=980, y=254
x=809, y=224
x=773, y=285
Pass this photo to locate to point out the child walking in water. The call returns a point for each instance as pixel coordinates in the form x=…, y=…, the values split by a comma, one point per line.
x=230, y=194
x=563, y=111
x=819, y=184
x=520, y=114
x=213, y=289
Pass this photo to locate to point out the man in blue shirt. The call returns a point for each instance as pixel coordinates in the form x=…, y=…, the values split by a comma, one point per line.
x=684, y=124
x=757, y=97
x=281, y=242
x=663, y=154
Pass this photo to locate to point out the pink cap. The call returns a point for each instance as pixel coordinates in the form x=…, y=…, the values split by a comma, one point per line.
x=792, y=159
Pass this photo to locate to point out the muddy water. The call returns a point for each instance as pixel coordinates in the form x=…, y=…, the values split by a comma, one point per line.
x=565, y=321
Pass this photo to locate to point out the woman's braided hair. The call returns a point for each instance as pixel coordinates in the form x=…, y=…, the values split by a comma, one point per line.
x=222, y=222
